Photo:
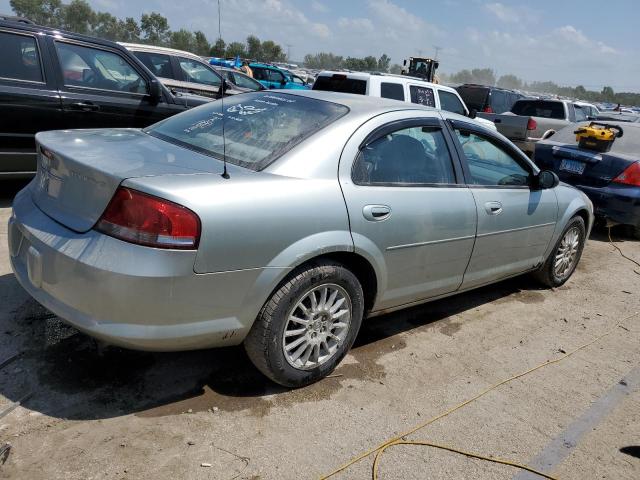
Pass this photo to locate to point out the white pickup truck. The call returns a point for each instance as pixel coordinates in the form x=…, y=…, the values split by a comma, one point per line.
x=532, y=120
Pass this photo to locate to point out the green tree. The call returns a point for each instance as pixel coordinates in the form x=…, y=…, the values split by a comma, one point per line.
x=129, y=30
x=78, y=16
x=395, y=69
x=218, y=49
x=155, y=28
x=236, y=48
x=183, y=40
x=607, y=94
x=107, y=26
x=201, y=45
x=253, y=47
x=272, y=52
x=323, y=61
x=463, y=76
x=43, y=12
x=510, y=81
x=383, y=63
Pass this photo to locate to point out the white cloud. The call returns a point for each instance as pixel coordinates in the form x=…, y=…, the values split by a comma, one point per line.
x=502, y=12
x=319, y=7
x=356, y=24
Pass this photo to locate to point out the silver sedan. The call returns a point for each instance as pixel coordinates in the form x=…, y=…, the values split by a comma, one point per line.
x=280, y=220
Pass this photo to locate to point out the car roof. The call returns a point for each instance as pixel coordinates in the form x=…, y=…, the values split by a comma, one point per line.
x=140, y=47
x=383, y=76
x=358, y=104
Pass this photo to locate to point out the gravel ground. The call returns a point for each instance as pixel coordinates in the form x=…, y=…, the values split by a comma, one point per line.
x=96, y=413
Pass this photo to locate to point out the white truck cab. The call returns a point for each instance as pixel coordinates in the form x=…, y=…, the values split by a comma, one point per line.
x=396, y=87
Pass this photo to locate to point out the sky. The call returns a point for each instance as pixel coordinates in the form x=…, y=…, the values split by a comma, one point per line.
x=567, y=41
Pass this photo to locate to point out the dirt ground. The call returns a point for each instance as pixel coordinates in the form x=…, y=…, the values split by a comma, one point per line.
x=93, y=413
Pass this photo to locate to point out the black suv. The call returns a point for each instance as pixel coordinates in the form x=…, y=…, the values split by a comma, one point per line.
x=53, y=80
x=483, y=98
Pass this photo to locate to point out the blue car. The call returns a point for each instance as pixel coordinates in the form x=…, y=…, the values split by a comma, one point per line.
x=611, y=179
x=274, y=77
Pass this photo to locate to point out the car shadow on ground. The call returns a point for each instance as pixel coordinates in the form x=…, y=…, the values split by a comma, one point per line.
x=70, y=376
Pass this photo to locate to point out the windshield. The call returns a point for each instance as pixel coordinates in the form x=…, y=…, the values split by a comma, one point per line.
x=259, y=127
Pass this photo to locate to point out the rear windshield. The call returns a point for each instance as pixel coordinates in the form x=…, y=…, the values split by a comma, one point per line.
x=340, y=83
x=628, y=144
x=258, y=127
x=539, y=108
x=474, y=97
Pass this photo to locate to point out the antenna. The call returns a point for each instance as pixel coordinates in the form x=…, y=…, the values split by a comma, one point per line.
x=437, y=48
x=225, y=174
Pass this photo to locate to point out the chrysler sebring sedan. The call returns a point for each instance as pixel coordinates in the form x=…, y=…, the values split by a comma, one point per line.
x=280, y=221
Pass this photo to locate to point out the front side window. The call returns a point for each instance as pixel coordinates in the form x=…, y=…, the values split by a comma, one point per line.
x=158, y=63
x=490, y=164
x=260, y=73
x=20, y=58
x=411, y=156
x=275, y=76
x=243, y=81
x=94, y=68
x=394, y=91
x=422, y=95
x=451, y=103
x=258, y=127
x=197, y=72
x=581, y=115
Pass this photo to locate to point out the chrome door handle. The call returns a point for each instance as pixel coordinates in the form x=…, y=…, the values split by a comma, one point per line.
x=376, y=213
x=493, y=208
x=85, y=106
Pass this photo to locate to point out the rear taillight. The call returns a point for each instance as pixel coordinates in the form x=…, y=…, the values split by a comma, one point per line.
x=488, y=109
x=532, y=124
x=630, y=176
x=144, y=219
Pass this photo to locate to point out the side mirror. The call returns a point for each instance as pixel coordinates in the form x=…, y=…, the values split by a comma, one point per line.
x=547, y=179
x=404, y=62
x=283, y=82
x=473, y=113
x=155, y=90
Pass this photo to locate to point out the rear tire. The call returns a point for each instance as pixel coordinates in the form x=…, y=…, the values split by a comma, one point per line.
x=564, y=258
x=308, y=325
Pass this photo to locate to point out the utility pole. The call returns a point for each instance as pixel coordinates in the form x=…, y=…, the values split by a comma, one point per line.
x=288, y=45
x=437, y=51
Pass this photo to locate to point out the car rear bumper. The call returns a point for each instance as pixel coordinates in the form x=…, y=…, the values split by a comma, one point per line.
x=128, y=295
x=618, y=203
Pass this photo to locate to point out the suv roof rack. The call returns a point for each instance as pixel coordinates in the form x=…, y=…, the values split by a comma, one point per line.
x=14, y=19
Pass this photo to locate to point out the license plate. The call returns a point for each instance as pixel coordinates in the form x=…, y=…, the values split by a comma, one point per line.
x=572, y=166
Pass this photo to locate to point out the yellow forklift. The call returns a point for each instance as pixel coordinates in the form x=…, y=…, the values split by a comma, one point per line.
x=421, y=67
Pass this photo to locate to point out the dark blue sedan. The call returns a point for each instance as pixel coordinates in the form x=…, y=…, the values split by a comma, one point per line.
x=610, y=179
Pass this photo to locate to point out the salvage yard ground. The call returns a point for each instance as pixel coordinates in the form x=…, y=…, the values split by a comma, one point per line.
x=94, y=413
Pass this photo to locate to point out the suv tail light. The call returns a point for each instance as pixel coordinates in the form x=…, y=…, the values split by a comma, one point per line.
x=532, y=124
x=144, y=219
x=488, y=109
x=630, y=176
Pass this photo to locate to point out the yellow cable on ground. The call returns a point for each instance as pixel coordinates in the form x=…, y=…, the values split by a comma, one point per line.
x=467, y=402
x=455, y=450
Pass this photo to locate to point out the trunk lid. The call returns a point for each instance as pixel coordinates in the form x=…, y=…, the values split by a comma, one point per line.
x=80, y=170
x=579, y=166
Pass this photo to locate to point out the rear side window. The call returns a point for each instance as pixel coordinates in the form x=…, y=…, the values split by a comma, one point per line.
x=259, y=73
x=499, y=102
x=474, y=97
x=20, y=58
x=94, y=68
x=340, y=83
x=197, y=72
x=422, y=95
x=258, y=127
x=159, y=64
x=539, y=108
x=411, y=156
x=394, y=91
x=450, y=102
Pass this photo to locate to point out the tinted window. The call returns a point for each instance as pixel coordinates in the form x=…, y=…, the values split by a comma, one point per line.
x=259, y=73
x=411, y=156
x=474, y=97
x=93, y=68
x=422, y=95
x=160, y=65
x=197, y=72
x=20, y=59
x=450, y=102
x=394, y=91
x=340, y=83
x=259, y=127
x=539, y=108
x=498, y=101
x=489, y=163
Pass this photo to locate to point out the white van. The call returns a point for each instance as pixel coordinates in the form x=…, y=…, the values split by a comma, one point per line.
x=396, y=87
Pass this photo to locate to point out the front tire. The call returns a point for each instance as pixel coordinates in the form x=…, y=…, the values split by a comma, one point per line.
x=308, y=324
x=564, y=257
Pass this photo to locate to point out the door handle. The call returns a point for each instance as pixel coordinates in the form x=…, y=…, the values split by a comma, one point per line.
x=376, y=213
x=493, y=208
x=85, y=106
